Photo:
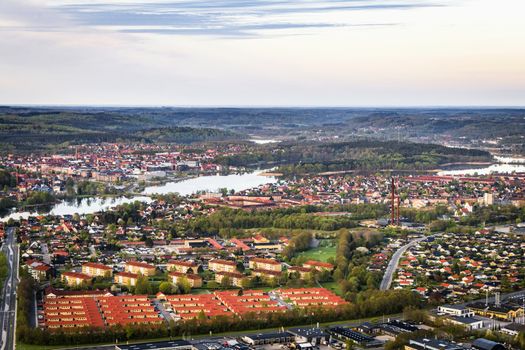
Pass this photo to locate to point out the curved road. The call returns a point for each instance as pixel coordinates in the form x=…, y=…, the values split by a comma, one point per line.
x=394, y=261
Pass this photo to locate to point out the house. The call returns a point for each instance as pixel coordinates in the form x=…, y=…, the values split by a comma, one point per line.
x=235, y=278
x=38, y=270
x=318, y=265
x=513, y=329
x=265, y=264
x=128, y=310
x=485, y=344
x=502, y=312
x=138, y=267
x=219, y=265
x=183, y=266
x=161, y=345
x=268, y=338
x=455, y=310
x=71, y=313
x=74, y=279
x=312, y=335
x=344, y=334
x=432, y=344
x=51, y=293
x=126, y=279
x=469, y=323
x=266, y=273
x=194, y=280
x=97, y=270
x=303, y=272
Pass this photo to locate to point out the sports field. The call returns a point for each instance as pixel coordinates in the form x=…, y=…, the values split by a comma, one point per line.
x=320, y=253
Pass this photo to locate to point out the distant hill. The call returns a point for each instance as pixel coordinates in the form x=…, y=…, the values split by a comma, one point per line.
x=30, y=128
x=40, y=129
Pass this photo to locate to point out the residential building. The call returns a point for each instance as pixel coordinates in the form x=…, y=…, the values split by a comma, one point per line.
x=219, y=265
x=74, y=279
x=194, y=280
x=265, y=264
x=302, y=271
x=235, y=278
x=97, y=270
x=140, y=268
x=318, y=265
x=183, y=266
x=126, y=278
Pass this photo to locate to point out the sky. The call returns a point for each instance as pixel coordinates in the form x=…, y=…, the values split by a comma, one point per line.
x=262, y=52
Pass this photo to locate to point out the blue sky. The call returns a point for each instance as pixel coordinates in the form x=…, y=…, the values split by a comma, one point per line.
x=263, y=52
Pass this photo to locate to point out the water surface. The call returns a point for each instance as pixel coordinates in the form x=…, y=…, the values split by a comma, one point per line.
x=213, y=183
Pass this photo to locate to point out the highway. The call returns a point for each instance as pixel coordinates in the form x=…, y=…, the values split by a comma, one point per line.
x=394, y=261
x=8, y=297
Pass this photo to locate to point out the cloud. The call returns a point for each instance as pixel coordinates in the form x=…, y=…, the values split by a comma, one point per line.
x=229, y=18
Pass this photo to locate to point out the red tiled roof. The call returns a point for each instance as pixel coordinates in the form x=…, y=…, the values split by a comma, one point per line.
x=223, y=262
x=140, y=264
x=97, y=266
x=265, y=261
x=79, y=275
x=319, y=264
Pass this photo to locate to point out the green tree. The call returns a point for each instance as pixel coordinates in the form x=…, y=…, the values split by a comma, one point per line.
x=142, y=286
x=166, y=287
x=184, y=285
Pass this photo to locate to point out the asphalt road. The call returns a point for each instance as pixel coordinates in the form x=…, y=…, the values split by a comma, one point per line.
x=8, y=297
x=394, y=261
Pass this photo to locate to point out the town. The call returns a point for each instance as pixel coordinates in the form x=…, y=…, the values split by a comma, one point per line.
x=262, y=175
x=266, y=255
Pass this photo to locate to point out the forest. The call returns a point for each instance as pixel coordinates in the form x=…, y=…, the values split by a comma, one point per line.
x=45, y=128
x=225, y=219
x=362, y=155
x=48, y=130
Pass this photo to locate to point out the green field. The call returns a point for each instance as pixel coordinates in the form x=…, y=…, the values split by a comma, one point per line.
x=334, y=287
x=320, y=253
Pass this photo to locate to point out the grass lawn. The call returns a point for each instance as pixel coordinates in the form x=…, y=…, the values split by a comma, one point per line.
x=320, y=253
x=334, y=287
x=21, y=346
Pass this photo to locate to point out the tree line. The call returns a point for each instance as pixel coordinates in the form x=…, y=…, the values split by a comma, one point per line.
x=284, y=218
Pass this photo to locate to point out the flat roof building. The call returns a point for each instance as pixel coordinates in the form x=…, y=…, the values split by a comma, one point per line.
x=161, y=345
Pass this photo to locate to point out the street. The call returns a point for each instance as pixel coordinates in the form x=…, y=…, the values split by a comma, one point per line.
x=394, y=261
x=8, y=301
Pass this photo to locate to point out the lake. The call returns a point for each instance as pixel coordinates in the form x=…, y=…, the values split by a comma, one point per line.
x=80, y=206
x=505, y=165
x=263, y=141
x=213, y=183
